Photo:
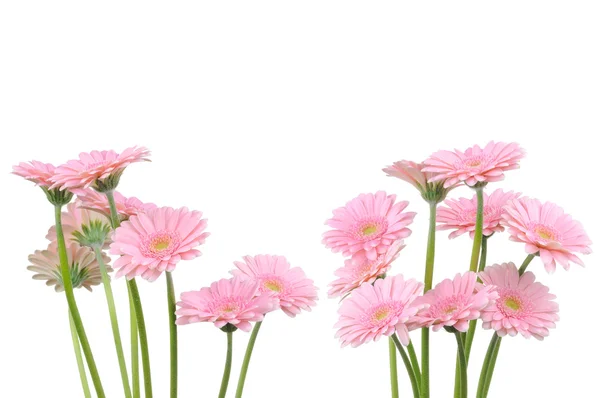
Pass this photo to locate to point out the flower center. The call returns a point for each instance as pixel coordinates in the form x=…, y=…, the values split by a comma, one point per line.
x=512, y=303
x=369, y=229
x=365, y=230
x=94, y=165
x=449, y=310
x=160, y=244
x=473, y=162
x=273, y=285
x=381, y=314
x=447, y=306
x=545, y=233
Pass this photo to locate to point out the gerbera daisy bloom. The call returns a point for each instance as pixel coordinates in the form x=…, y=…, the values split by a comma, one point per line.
x=369, y=223
x=37, y=172
x=523, y=305
x=126, y=207
x=94, y=168
x=381, y=309
x=475, y=165
x=75, y=220
x=411, y=172
x=453, y=303
x=290, y=286
x=83, y=267
x=461, y=214
x=547, y=230
x=153, y=242
x=233, y=301
x=355, y=273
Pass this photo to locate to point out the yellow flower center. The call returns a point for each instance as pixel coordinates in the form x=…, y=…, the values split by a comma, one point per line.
x=512, y=304
x=369, y=229
x=545, y=233
x=381, y=314
x=273, y=285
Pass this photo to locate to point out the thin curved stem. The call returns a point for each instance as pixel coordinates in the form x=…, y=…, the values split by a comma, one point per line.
x=526, y=263
x=473, y=323
x=227, y=370
x=492, y=366
x=393, y=368
x=478, y=231
x=247, y=356
x=114, y=323
x=409, y=369
x=135, y=363
x=82, y=376
x=68, y=286
x=486, y=364
x=172, y=333
x=463, y=365
x=114, y=215
x=415, y=362
x=137, y=304
x=429, y=262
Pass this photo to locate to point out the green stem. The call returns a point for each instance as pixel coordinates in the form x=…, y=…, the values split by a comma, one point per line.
x=135, y=364
x=244, y=371
x=429, y=262
x=478, y=231
x=483, y=257
x=409, y=368
x=490, y=372
x=415, y=362
x=80, y=366
x=473, y=323
x=114, y=215
x=393, y=368
x=486, y=364
x=172, y=333
x=68, y=286
x=227, y=370
x=463, y=364
x=137, y=304
x=110, y=300
x=526, y=264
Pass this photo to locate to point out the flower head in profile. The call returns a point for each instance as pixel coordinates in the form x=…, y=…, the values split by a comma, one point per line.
x=411, y=172
x=368, y=225
x=290, y=286
x=475, y=165
x=126, y=207
x=34, y=171
x=523, y=306
x=453, y=303
x=83, y=267
x=233, y=301
x=153, y=242
x=376, y=310
x=77, y=222
x=355, y=273
x=547, y=230
x=98, y=169
x=461, y=214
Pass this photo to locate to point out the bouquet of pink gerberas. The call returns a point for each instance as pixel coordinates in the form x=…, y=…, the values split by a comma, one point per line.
x=147, y=241
x=370, y=230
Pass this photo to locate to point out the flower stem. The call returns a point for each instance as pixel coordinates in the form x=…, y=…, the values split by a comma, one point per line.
x=486, y=365
x=80, y=366
x=525, y=264
x=113, y=322
x=393, y=368
x=137, y=304
x=415, y=362
x=478, y=230
x=409, y=368
x=490, y=372
x=473, y=323
x=68, y=285
x=429, y=261
x=244, y=371
x=227, y=370
x=172, y=333
x=135, y=364
x=114, y=215
x=463, y=364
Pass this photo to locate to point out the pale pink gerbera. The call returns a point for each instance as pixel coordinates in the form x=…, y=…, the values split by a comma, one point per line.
x=461, y=214
x=368, y=224
x=96, y=166
x=75, y=219
x=126, y=207
x=290, y=286
x=228, y=301
x=355, y=273
x=83, y=267
x=381, y=309
x=475, y=165
x=453, y=303
x=523, y=305
x=37, y=172
x=411, y=172
x=156, y=241
x=545, y=228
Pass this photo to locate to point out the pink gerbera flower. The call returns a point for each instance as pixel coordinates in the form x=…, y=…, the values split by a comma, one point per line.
x=156, y=241
x=453, y=303
x=290, y=286
x=368, y=224
x=411, y=172
x=475, y=165
x=547, y=230
x=37, y=172
x=96, y=166
x=74, y=220
x=126, y=207
x=523, y=305
x=461, y=214
x=381, y=309
x=355, y=273
x=229, y=301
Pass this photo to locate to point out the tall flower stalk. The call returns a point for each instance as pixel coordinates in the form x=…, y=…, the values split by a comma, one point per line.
x=393, y=368
x=171, y=305
x=80, y=365
x=228, y=329
x=244, y=371
x=429, y=261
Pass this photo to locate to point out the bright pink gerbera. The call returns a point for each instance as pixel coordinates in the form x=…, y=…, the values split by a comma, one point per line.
x=38, y=172
x=74, y=220
x=545, y=228
x=156, y=241
x=524, y=306
x=96, y=165
x=475, y=165
x=355, y=273
x=126, y=207
x=290, y=286
x=453, y=303
x=368, y=224
x=235, y=301
x=381, y=309
x=461, y=214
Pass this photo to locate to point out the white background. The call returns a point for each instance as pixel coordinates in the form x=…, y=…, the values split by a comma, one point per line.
x=266, y=115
